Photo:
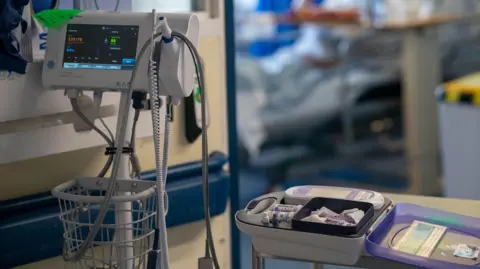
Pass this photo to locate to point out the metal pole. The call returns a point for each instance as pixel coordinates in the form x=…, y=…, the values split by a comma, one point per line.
x=345, y=93
x=257, y=261
x=123, y=211
x=421, y=75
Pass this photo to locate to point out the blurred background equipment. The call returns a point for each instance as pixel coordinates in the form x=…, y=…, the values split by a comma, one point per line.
x=318, y=103
x=459, y=132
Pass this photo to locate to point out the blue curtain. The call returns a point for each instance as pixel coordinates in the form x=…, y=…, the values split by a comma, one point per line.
x=266, y=48
x=40, y=5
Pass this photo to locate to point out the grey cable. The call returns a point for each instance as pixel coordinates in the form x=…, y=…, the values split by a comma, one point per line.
x=97, y=6
x=110, y=157
x=87, y=121
x=110, y=142
x=116, y=164
x=166, y=147
x=201, y=81
x=107, y=128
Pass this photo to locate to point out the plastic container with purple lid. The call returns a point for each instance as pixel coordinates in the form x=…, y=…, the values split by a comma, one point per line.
x=380, y=232
x=460, y=230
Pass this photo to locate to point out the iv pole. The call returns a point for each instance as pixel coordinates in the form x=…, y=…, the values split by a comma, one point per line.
x=123, y=216
x=123, y=211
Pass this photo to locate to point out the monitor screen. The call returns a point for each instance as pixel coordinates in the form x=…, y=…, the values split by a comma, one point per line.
x=101, y=47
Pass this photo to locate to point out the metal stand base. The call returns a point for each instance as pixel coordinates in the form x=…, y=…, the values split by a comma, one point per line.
x=258, y=262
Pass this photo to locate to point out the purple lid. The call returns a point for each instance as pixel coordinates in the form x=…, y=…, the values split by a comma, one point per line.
x=406, y=214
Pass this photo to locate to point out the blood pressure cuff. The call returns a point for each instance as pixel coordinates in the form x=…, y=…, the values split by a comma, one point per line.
x=10, y=18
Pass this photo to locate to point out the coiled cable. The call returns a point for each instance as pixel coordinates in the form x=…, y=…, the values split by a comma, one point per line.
x=166, y=148
x=161, y=223
x=166, y=141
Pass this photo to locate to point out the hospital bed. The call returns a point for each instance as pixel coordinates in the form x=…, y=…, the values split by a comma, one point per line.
x=298, y=109
x=305, y=108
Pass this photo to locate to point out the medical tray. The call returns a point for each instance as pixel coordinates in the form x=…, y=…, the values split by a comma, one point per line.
x=337, y=206
x=381, y=231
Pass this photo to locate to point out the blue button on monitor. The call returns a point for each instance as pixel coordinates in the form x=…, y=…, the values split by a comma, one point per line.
x=99, y=66
x=70, y=65
x=85, y=66
x=128, y=61
x=114, y=67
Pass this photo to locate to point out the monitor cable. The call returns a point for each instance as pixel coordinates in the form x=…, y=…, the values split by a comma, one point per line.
x=210, y=251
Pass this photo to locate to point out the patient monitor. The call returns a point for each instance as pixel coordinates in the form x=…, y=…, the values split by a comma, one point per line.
x=99, y=52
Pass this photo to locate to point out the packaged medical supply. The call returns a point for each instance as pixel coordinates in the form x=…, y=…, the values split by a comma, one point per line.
x=420, y=239
x=350, y=217
x=467, y=251
x=280, y=213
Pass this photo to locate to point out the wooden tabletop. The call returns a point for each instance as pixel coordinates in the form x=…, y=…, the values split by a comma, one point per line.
x=434, y=20
x=459, y=206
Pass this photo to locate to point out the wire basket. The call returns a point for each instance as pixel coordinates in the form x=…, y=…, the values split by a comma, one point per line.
x=127, y=232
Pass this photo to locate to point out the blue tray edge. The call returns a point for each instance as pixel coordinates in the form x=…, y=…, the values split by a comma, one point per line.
x=435, y=216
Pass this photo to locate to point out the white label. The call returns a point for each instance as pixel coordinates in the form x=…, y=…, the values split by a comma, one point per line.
x=329, y=193
x=467, y=251
x=363, y=196
x=421, y=239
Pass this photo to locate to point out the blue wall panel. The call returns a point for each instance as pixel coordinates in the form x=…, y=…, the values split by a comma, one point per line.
x=30, y=229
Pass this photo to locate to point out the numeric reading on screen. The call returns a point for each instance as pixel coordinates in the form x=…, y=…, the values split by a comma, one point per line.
x=101, y=47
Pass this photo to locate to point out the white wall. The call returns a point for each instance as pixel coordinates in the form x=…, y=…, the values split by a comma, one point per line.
x=162, y=5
